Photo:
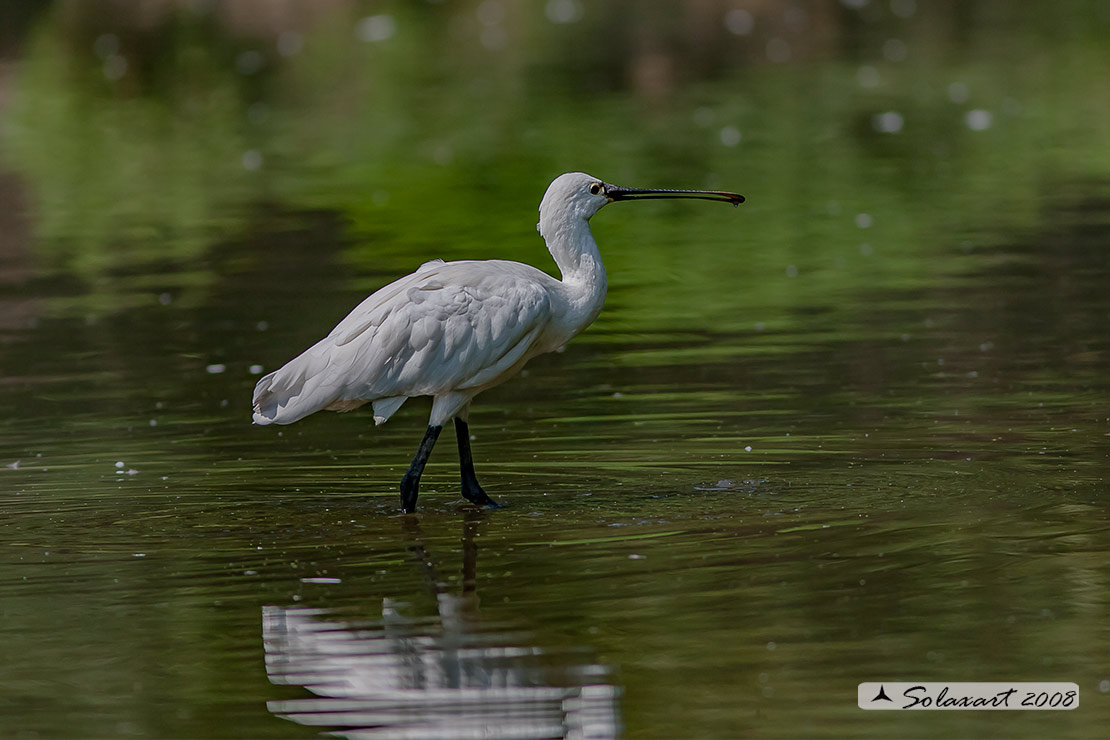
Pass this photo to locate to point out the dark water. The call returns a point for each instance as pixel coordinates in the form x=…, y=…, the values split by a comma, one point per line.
x=856, y=430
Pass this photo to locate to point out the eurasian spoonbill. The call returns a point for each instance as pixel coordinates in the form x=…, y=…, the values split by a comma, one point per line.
x=451, y=330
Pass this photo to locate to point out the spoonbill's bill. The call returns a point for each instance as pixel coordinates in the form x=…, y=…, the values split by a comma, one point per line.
x=451, y=330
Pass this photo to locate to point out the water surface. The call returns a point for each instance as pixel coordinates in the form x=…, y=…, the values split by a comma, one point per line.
x=856, y=430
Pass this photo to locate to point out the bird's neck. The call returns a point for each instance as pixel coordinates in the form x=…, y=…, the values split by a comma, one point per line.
x=572, y=244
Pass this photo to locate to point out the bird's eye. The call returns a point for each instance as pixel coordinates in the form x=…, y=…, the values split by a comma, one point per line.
x=595, y=189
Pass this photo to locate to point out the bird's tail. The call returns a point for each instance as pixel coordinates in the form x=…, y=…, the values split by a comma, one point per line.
x=301, y=387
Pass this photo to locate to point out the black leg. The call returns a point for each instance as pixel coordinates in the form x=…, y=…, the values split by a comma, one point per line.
x=471, y=491
x=410, y=484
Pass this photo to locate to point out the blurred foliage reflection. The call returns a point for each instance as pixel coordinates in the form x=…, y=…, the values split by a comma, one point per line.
x=147, y=131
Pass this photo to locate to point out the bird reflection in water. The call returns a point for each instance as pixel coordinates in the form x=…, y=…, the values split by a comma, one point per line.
x=434, y=677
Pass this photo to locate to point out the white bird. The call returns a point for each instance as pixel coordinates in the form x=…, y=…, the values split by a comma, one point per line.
x=451, y=330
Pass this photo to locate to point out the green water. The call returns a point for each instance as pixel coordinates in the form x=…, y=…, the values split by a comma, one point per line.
x=855, y=430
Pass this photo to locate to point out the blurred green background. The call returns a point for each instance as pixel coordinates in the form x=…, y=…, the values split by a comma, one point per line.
x=855, y=430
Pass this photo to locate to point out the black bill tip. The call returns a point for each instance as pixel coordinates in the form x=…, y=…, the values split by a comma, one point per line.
x=616, y=192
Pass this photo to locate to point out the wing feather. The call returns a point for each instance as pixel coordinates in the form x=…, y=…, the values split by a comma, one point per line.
x=447, y=327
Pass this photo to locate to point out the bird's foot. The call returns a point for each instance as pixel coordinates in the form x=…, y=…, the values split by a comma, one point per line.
x=475, y=495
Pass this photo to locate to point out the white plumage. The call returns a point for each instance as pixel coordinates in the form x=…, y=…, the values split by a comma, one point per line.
x=450, y=330
x=453, y=329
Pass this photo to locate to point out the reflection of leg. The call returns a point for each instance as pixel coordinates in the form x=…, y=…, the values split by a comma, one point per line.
x=471, y=491
x=410, y=526
x=460, y=613
x=410, y=484
x=471, y=519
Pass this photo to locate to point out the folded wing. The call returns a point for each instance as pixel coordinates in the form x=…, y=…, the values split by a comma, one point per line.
x=448, y=327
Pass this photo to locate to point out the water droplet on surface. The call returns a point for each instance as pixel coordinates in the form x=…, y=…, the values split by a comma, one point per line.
x=796, y=18
x=115, y=67
x=978, y=119
x=106, y=45
x=375, y=28
x=778, y=51
x=257, y=113
x=290, y=43
x=494, y=38
x=252, y=160
x=903, y=8
x=443, y=154
x=563, y=11
x=867, y=76
x=895, y=50
x=730, y=136
x=490, y=12
x=249, y=62
x=739, y=22
x=889, y=122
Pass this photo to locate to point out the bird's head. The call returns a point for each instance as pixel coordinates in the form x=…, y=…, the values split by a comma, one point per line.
x=578, y=196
